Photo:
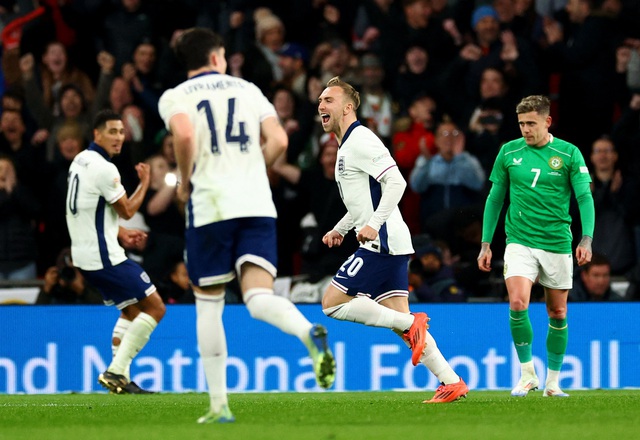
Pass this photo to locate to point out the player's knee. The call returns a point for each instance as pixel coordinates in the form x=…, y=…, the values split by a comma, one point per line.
x=557, y=312
x=335, y=311
x=154, y=307
x=159, y=311
x=326, y=303
x=258, y=302
x=518, y=305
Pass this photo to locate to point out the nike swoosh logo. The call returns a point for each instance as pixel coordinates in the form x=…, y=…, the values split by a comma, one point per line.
x=341, y=277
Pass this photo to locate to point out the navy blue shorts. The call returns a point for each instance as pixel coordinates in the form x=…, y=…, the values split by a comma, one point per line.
x=378, y=276
x=216, y=251
x=122, y=285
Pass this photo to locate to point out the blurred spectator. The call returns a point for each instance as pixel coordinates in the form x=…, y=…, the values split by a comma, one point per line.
x=452, y=178
x=613, y=195
x=334, y=58
x=626, y=135
x=292, y=62
x=73, y=109
x=54, y=73
x=141, y=75
x=431, y=279
x=64, y=284
x=165, y=139
x=258, y=63
x=414, y=78
x=112, y=92
x=53, y=235
x=162, y=211
x=594, y=282
x=626, y=130
x=13, y=99
x=583, y=54
x=18, y=211
x=526, y=22
x=176, y=289
x=413, y=137
x=376, y=104
x=493, y=121
x=298, y=130
x=372, y=18
x=119, y=95
x=439, y=36
x=136, y=147
x=15, y=145
x=123, y=28
x=490, y=47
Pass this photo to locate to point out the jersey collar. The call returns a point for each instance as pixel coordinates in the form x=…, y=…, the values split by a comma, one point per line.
x=211, y=72
x=349, y=130
x=98, y=149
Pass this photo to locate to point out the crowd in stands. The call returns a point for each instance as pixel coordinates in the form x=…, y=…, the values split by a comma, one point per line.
x=439, y=81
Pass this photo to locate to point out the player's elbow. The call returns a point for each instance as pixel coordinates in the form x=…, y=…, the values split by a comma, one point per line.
x=281, y=142
x=127, y=214
x=125, y=210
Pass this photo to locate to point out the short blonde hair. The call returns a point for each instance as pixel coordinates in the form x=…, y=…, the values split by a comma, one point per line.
x=351, y=93
x=534, y=103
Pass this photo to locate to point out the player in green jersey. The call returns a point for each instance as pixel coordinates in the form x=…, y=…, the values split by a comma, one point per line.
x=539, y=172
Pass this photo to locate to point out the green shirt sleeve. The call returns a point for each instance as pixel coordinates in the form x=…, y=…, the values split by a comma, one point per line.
x=492, y=209
x=586, y=207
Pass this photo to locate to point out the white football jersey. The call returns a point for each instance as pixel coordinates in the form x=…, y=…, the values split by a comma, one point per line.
x=362, y=161
x=93, y=186
x=229, y=178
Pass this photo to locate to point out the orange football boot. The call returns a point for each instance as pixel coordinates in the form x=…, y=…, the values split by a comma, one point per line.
x=416, y=336
x=449, y=393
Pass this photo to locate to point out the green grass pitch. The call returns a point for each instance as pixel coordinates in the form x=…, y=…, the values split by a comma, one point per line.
x=490, y=415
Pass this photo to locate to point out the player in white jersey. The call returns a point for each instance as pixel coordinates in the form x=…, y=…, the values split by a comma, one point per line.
x=218, y=122
x=95, y=200
x=371, y=287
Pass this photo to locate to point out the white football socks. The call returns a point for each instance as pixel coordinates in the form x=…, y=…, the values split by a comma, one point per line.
x=436, y=363
x=212, y=344
x=133, y=341
x=527, y=369
x=119, y=330
x=368, y=312
x=277, y=311
x=553, y=379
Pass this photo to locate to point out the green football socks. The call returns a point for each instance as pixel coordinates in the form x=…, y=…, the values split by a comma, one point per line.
x=522, y=334
x=557, y=338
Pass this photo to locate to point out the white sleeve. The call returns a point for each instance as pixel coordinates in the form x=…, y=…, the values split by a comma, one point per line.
x=393, y=186
x=168, y=106
x=109, y=185
x=344, y=225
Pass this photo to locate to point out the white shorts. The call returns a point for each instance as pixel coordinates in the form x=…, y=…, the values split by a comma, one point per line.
x=555, y=271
